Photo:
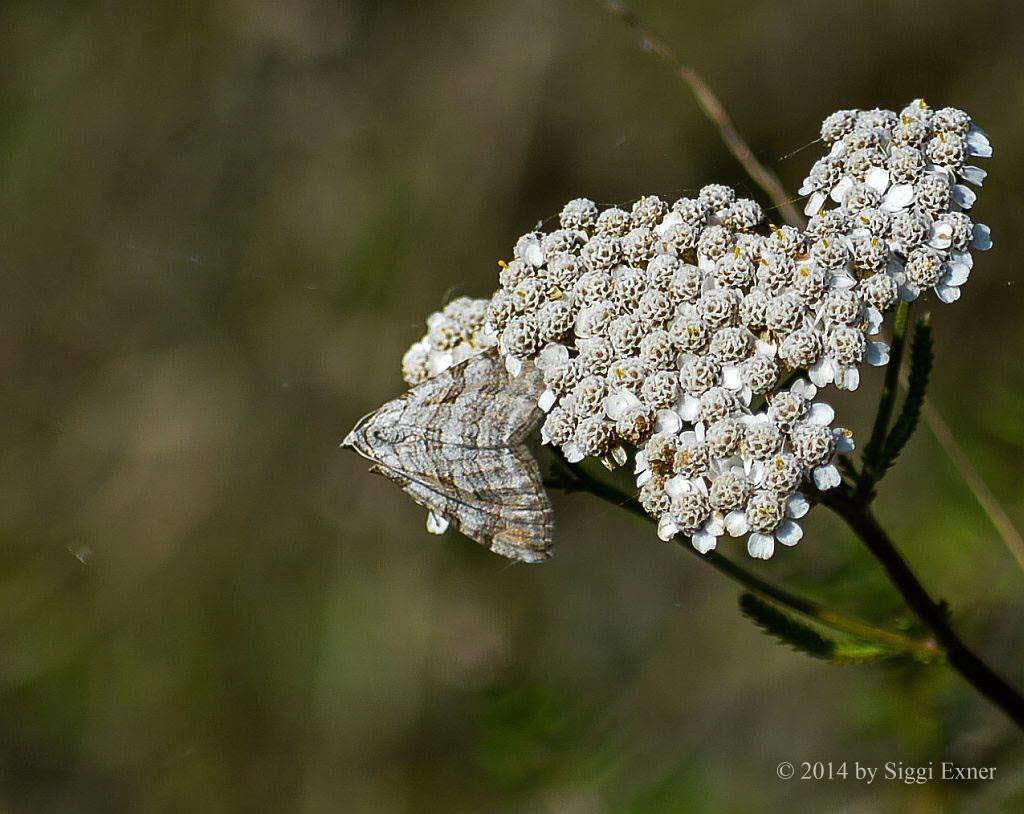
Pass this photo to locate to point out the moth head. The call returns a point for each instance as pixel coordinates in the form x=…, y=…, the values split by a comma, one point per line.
x=374, y=434
x=362, y=438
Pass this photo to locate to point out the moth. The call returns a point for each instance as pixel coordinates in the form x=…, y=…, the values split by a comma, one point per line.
x=456, y=445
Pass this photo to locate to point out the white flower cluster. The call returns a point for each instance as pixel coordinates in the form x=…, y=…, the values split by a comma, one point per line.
x=683, y=331
x=657, y=328
x=453, y=335
x=897, y=184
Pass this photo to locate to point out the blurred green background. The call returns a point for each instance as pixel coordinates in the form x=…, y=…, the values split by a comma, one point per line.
x=220, y=226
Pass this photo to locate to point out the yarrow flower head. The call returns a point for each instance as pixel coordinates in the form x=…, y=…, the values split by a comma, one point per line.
x=454, y=334
x=695, y=337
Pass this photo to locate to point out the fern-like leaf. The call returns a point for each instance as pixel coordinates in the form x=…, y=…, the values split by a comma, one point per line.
x=920, y=369
x=799, y=636
x=786, y=629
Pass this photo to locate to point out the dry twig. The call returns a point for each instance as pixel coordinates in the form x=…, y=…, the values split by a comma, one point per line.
x=714, y=110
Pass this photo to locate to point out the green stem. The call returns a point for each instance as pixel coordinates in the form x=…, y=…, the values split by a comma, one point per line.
x=886, y=404
x=933, y=614
x=927, y=650
x=864, y=524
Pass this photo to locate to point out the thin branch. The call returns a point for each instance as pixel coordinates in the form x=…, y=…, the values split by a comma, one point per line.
x=896, y=642
x=933, y=614
x=863, y=522
x=997, y=516
x=714, y=110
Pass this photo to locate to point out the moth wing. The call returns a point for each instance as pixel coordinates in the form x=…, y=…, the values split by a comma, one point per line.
x=455, y=444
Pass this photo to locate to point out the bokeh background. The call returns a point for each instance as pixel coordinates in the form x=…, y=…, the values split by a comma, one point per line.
x=220, y=226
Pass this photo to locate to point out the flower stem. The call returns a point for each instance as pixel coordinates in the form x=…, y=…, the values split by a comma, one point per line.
x=934, y=615
x=890, y=640
x=862, y=521
x=873, y=450
x=854, y=511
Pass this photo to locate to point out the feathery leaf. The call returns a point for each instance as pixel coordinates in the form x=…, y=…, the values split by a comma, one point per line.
x=804, y=638
x=921, y=357
x=784, y=627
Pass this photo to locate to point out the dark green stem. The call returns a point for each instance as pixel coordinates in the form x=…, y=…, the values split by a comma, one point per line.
x=934, y=615
x=896, y=642
x=886, y=404
x=862, y=521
